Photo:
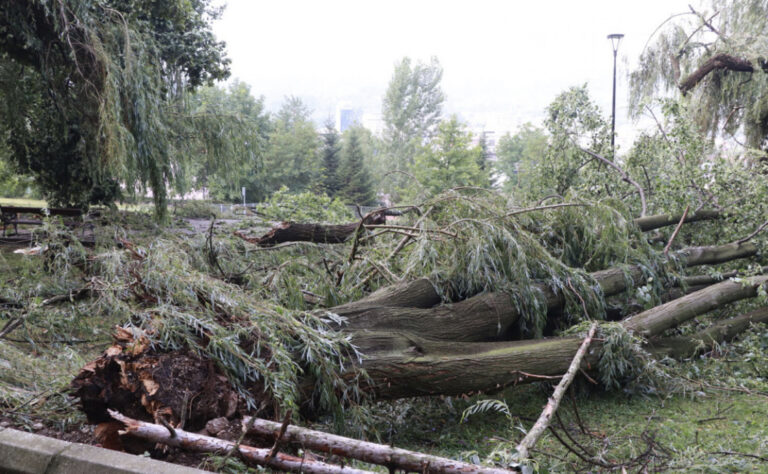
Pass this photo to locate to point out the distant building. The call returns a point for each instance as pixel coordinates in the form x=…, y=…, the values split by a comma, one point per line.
x=347, y=118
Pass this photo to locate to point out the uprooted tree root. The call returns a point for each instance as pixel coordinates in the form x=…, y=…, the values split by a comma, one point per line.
x=178, y=386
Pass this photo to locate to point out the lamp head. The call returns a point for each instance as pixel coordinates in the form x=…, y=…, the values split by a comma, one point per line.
x=615, y=40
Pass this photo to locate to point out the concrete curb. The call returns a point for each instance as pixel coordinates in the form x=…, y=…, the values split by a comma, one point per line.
x=27, y=453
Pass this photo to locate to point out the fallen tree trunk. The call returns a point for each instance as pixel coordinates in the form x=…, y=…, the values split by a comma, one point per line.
x=317, y=233
x=663, y=220
x=490, y=316
x=389, y=456
x=403, y=365
x=335, y=234
x=726, y=330
x=655, y=321
x=206, y=444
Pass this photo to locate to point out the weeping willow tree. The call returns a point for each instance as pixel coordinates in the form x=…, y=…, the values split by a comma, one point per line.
x=717, y=59
x=86, y=87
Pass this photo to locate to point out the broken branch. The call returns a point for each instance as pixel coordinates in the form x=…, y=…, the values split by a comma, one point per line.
x=554, y=402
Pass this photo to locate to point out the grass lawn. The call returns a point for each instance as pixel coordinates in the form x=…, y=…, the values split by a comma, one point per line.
x=21, y=202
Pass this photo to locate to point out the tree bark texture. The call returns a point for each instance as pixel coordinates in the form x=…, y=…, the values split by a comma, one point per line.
x=489, y=316
x=206, y=444
x=663, y=220
x=393, y=458
x=716, y=62
x=317, y=233
x=403, y=365
x=726, y=330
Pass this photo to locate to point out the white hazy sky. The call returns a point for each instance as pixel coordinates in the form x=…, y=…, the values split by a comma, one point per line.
x=503, y=61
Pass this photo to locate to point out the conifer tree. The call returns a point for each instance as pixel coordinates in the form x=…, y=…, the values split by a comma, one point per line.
x=355, y=179
x=331, y=152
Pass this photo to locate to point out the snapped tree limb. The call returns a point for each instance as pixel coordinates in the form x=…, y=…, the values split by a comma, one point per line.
x=529, y=441
x=389, y=456
x=205, y=444
x=715, y=63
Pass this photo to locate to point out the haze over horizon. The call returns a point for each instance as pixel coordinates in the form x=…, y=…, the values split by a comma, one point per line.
x=503, y=62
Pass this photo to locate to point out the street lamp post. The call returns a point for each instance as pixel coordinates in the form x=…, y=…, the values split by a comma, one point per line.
x=615, y=40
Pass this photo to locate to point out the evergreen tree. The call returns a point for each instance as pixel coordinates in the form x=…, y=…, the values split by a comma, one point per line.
x=449, y=161
x=330, y=153
x=357, y=186
x=484, y=158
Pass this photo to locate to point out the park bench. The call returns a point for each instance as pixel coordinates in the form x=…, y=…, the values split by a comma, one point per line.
x=9, y=215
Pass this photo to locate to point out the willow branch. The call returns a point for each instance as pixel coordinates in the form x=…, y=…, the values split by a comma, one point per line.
x=624, y=176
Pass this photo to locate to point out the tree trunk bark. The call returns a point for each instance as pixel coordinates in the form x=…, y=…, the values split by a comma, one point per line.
x=316, y=233
x=663, y=220
x=393, y=458
x=488, y=316
x=718, y=61
x=657, y=320
x=404, y=365
x=689, y=346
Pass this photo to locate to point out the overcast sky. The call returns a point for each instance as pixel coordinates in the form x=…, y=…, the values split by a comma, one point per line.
x=503, y=61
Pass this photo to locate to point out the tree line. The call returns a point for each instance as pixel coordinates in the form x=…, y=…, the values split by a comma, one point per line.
x=117, y=97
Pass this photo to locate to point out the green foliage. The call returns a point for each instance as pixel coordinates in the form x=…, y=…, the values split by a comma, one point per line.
x=284, y=205
x=621, y=356
x=448, y=161
x=679, y=167
x=724, y=102
x=219, y=139
x=292, y=158
x=353, y=174
x=331, y=157
x=411, y=109
x=517, y=155
x=12, y=183
x=84, y=86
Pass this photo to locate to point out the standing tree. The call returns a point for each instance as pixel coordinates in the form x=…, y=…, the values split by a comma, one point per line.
x=84, y=88
x=411, y=110
x=717, y=60
x=517, y=153
x=229, y=123
x=573, y=123
x=292, y=158
x=354, y=177
x=331, y=151
x=449, y=160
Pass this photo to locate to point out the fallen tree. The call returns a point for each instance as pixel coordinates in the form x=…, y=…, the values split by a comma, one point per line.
x=339, y=233
x=196, y=333
x=317, y=233
x=489, y=316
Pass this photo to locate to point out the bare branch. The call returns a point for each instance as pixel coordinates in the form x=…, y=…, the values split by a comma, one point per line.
x=753, y=234
x=677, y=229
x=541, y=424
x=624, y=176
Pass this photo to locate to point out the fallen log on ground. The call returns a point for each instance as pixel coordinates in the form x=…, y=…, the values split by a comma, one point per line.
x=206, y=444
x=389, y=456
x=655, y=321
x=335, y=234
x=317, y=233
x=490, y=316
x=403, y=365
x=726, y=330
